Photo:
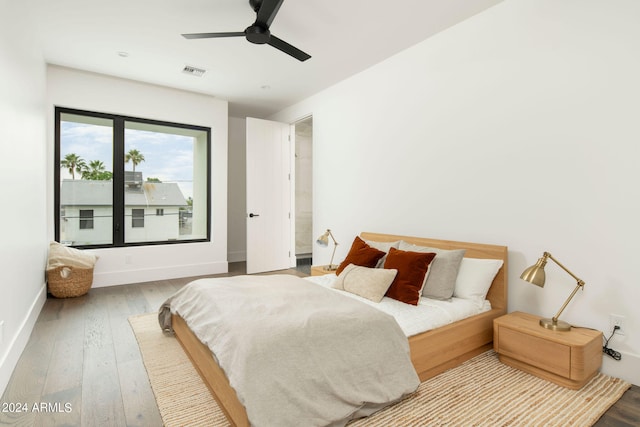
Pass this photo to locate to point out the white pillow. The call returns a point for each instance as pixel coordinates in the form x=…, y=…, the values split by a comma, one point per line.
x=369, y=283
x=475, y=277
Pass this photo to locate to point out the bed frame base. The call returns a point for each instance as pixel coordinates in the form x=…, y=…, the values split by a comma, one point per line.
x=211, y=373
x=456, y=343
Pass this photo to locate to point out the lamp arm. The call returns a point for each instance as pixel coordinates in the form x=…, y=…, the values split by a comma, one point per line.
x=580, y=281
x=578, y=286
x=335, y=246
x=332, y=238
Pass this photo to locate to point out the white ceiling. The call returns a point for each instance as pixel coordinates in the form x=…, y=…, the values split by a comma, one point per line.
x=343, y=37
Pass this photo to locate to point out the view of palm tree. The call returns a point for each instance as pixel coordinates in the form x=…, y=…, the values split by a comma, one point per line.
x=73, y=163
x=135, y=157
x=95, y=171
x=96, y=166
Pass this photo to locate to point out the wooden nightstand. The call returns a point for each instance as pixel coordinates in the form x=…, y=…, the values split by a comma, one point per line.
x=319, y=270
x=569, y=359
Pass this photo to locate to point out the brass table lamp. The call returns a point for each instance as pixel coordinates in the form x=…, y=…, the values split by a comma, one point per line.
x=535, y=274
x=324, y=242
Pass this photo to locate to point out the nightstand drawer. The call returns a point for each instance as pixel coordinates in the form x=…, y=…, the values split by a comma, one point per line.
x=550, y=356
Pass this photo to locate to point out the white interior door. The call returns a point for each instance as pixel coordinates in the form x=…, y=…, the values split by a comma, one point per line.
x=268, y=196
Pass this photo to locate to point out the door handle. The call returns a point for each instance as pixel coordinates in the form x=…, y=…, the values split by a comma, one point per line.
x=251, y=215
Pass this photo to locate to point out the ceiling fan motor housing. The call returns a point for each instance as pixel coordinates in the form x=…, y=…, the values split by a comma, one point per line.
x=257, y=34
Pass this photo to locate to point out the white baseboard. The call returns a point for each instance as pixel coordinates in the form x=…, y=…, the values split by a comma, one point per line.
x=113, y=278
x=9, y=359
x=627, y=368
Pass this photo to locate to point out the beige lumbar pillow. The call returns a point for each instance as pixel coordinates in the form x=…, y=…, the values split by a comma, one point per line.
x=369, y=283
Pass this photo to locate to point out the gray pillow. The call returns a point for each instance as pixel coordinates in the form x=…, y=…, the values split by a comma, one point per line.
x=443, y=272
x=384, y=247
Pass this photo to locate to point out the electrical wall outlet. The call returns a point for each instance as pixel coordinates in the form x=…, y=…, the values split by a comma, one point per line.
x=617, y=320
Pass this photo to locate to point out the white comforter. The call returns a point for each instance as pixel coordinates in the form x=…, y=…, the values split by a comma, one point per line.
x=297, y=354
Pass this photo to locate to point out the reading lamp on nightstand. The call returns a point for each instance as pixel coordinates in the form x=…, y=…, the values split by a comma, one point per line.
x=324, y=242
x=535, y=274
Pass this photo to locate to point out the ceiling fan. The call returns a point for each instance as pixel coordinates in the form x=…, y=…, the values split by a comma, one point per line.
x=259, y=33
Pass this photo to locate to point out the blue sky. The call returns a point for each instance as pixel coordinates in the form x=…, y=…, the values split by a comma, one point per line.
x=168, y=157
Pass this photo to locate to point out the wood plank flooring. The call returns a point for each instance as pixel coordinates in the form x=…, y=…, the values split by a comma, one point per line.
x=82, y=365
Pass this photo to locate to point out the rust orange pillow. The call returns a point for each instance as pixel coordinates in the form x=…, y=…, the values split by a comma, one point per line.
x=412, y=269
x=361, y=254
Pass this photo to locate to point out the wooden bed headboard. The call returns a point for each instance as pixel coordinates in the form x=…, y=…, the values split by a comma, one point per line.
x=497, y=293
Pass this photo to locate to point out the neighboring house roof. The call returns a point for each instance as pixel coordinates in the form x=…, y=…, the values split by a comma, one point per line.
x=82, y=192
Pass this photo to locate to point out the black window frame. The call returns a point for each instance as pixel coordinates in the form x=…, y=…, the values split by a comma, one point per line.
x=119, y=122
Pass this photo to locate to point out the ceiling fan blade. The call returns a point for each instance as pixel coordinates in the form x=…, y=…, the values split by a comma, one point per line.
x=212, y=35
x=288, y=49
x=266, y=13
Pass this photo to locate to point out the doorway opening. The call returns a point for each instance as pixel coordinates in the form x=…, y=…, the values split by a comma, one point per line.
x=303, y=192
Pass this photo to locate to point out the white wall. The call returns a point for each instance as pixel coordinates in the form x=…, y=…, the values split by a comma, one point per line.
x=87, y=91
x=237, y=208
x=519, y=127
x=23, y=250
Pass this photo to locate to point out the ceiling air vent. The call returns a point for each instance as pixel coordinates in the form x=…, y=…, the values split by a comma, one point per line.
x=194, y=71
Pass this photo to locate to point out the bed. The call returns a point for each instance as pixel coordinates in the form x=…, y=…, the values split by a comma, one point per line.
x=431, y=352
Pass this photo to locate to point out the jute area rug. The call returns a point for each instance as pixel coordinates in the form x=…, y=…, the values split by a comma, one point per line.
x=480, y=392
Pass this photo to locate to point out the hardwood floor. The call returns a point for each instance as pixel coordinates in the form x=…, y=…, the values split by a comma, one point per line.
x=82, y=366
x=625, y=412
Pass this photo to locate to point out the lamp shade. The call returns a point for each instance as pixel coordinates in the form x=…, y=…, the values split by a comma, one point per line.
x=535, y=274
x=324, y=239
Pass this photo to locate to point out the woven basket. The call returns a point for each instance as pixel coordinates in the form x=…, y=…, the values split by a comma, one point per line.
x=67, y=282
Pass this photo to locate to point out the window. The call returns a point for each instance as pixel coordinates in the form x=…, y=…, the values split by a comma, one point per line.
x=84, y=166
x=110, y=167
x=86, y=219
x=137, y=218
